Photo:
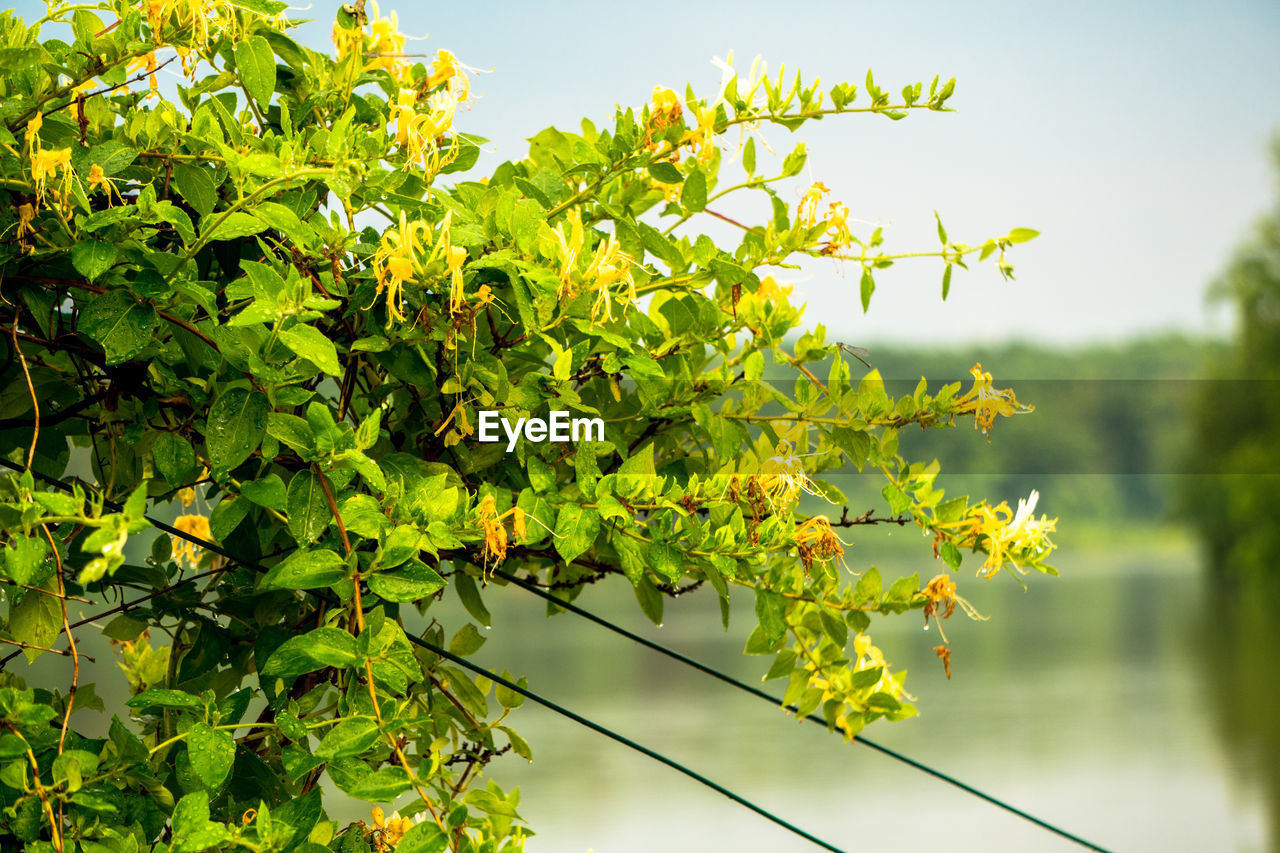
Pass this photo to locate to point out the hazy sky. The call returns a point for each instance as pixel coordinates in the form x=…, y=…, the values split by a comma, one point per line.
x=1132, y=135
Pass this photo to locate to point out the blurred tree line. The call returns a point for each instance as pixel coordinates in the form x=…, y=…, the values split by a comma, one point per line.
x=1109, y=439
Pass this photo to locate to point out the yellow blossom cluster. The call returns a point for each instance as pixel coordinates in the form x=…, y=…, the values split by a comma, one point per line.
x=782, y=478
x=664, y=112
x=196, y=20
x=403, y=258
x=817, y=540
x=46, y=164
x=196, y=526
x=609, y=266
x=1006, y=536
x=869, y=656
x=388, y=831
x=984, y=401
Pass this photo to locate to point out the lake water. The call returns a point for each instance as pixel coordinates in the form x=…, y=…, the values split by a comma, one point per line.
x=1095, y=700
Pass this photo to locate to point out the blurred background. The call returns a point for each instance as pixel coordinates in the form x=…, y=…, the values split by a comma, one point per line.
x=1133, y=699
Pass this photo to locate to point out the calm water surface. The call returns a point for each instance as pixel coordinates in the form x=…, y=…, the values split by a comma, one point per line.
x=1095, y=700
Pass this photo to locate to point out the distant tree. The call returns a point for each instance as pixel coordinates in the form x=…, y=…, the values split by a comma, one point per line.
x=1237, y=422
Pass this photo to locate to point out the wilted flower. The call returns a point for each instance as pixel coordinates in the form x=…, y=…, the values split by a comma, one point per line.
x=816, y=539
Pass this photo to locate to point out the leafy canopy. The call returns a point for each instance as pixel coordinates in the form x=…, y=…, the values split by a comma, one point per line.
x=280, y=301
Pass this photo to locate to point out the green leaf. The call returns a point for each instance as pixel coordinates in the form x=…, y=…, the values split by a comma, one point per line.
x=306, y=570
x=382, y=786
x=192, y=829
x=414, y=582
x=324, y=646
x=576, y=530
x=694, y=194
x=173, y=458
x=307, y=507
x=867, y=589
x=310, y=343
x=233, y=226
x=256, y=65
x=467, y=640
x=36, y=619
x=122, y=324
x=212, y=753
x=424, y=837
x=771, y=610
x=470, y=598
x=196, y=187
x=164, y=698
x=92, y=258
x=1022, y=235
x=349, y=737
x=866, y=287
x=665, y=172
x=237, y=421
x=268, y=492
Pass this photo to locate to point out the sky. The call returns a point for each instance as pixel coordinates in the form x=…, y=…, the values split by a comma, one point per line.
x=1133, y=135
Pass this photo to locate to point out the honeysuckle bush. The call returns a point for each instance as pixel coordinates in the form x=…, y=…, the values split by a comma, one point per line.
x=273, y=298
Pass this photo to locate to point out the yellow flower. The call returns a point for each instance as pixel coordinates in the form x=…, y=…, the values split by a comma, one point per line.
x=388, y=41
x=147, y=62
x=1008, y=536
x=448, y=70
x=398, y=261
x=195, y=19
x=665, y=112
x=869, y=657
x=347, y=40
x=187, y=496
x=609, y=266
x=782, y=478
x=838, y=227
x=26, y=213
x=98, y=180
x=455, y=257
x=417, y=132
x=33, y=128
x=569, y=236
x=702, y=137
x=495, y=535
x=187, y=552
x=807, y=210
x=816, y=539
x=47, y=164
x=985, y=402
x=518, y=525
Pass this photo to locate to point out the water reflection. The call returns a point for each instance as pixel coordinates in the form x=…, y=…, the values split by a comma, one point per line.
x=1084, y=700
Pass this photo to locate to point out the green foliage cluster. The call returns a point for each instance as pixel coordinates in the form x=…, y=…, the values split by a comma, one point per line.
x=1236, y=420
x=279, y=301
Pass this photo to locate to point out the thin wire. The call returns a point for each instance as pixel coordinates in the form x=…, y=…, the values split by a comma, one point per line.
x=757, y=692
x=497, y=679
x=641, y=748
x=671, y=653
